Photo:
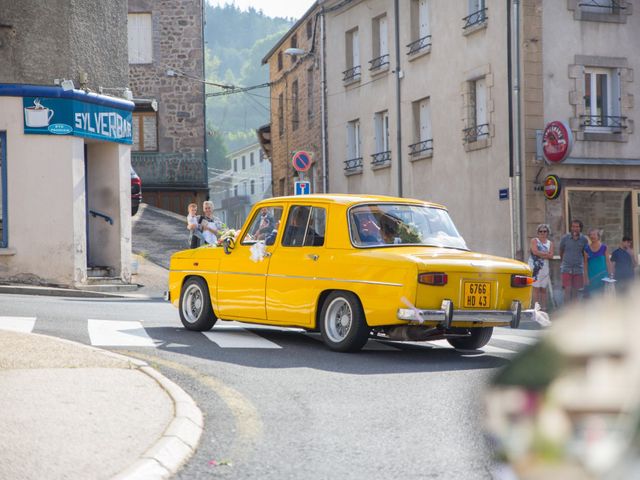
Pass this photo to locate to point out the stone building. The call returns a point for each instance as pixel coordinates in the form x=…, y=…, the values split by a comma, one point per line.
x=65, y=194
x=297, y=110
x=166, y=65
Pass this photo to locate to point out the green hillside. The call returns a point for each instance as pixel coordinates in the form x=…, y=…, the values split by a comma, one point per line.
x=235, y=42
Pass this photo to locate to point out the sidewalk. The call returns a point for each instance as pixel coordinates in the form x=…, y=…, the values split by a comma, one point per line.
x=73, y=411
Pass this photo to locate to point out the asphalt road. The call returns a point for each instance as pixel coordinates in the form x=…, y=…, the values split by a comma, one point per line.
x=278, y=404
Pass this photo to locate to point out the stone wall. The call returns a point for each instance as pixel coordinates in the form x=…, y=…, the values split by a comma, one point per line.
x=177, y=46
x=81, y=40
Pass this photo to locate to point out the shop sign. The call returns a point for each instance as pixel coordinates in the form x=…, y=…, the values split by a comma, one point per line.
x=551, y=187
x=557, y=141
x=67, y=116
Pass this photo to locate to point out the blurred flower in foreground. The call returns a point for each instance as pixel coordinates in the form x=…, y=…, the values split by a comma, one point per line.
x=569, y=407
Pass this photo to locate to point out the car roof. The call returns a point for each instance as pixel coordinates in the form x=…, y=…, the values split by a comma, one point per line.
x=347, y=199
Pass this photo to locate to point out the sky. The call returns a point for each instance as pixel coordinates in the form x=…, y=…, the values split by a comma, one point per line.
x=271, y=8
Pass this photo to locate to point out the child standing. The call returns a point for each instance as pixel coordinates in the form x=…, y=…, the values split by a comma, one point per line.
x=195, y=235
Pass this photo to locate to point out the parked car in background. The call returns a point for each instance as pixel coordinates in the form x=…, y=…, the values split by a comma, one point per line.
x=352, y=267
x=136, y=192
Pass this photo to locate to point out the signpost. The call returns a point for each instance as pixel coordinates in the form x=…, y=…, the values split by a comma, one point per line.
x=303, y=187
x=301, y=161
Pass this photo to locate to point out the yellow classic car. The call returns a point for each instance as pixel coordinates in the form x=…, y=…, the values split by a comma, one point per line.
x=353, y=267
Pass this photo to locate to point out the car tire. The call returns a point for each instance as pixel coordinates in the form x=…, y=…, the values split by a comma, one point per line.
x=195, y=306
x=342, y=323
x=478, y=338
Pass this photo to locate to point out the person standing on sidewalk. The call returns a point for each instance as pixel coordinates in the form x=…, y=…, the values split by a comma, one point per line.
x=573, y=260
x=624, y=263
x=598, y=264
x=541, y=249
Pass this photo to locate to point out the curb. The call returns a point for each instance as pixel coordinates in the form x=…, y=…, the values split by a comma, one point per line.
x=181, y=437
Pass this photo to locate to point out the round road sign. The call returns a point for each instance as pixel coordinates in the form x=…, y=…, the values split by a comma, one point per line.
x=301, y=161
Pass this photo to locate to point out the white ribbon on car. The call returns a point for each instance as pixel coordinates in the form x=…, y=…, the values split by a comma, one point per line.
x=257, y=250
x=412, y=307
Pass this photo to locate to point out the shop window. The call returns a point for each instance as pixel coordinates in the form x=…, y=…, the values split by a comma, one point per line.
x=140, y=36
x=145, y=132
x=3, y=191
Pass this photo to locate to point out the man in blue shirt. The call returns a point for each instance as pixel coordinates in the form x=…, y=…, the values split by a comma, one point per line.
x=574, y=260
x=624, y=263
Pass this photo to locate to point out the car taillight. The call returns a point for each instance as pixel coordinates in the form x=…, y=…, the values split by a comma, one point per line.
x=521, y=280
x=433, y=278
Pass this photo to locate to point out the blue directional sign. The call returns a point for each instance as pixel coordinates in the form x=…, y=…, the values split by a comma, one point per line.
x=303, y=187
x=301, y=161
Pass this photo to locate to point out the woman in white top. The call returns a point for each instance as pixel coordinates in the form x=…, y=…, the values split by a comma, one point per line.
x=541, y=252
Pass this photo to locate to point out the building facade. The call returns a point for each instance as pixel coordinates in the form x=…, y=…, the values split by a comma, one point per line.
x=247, y=181
x=297, y=104
x=166, y=62
x=65, y=194
x=451, y=106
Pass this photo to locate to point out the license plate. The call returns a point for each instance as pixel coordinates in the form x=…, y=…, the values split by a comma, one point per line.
x=477, y=294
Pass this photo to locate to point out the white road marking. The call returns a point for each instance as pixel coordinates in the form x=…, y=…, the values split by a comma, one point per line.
x=516, y=339
x=486, y=348
x=18, y=324
x=238, y=338
x=110, y=333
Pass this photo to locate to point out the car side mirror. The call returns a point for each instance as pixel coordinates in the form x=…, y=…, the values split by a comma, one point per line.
x=228, y=244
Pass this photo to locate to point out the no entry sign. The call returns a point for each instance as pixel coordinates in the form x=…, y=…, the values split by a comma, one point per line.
x=301, y=161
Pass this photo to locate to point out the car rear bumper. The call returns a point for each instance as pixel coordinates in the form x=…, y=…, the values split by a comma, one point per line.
x=446, y=316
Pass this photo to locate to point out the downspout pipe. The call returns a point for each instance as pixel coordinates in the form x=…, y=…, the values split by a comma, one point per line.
x=398, y=103
x=323, y=101
x=518, y=132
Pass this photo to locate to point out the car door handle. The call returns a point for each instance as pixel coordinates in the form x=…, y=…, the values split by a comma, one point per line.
x=267, y=254
x=313, y=256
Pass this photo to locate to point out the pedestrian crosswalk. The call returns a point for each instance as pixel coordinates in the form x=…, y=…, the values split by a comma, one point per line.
x=233, y=335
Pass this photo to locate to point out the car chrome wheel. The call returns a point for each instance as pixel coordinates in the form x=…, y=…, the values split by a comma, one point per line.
x=192, y=303
x=342, y=323
x=195, y=306
x=338, y=320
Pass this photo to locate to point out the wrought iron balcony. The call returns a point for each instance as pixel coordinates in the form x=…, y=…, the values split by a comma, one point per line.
x=476, y=18
x=421, y=148
x=353, y=165
x=610, y=6
x=379, y=62
x=475, y=133
x=381, y=158
x=419, y=45
x=351, y=74
x=602, y=121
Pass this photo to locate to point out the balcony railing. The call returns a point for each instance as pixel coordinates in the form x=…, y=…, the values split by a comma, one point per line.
x=419, y=45
x=476, y=18
x=475, y=133
x=379, y=62
x=351, y=74
x=381, y=158
x=353, y=165
x=421, y=148
x=602, y=121
x=603, y=6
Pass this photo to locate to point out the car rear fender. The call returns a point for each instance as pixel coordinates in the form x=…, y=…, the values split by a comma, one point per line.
x=322, y=297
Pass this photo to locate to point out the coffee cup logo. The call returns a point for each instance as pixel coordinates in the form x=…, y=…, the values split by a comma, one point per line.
x=37, y=116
